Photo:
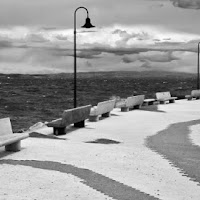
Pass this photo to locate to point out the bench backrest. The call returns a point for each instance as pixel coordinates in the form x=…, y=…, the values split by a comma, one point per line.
x=163, y=95
x=75, y=115
x=105, y=106
x=195, y=93
x=138, y=100
x=5, y=127
x=134, y=100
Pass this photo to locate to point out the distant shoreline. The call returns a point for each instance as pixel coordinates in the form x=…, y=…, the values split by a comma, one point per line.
x=118, y=73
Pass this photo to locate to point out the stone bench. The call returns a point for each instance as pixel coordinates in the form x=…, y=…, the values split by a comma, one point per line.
x=102, y=109
x=131, y=103
x=195, y=94
x=76, y=116
x=164, y=97
x=12, y=142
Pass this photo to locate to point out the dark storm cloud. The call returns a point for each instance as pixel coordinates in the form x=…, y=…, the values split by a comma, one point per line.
x=5, y=44
x=127, y=59
x=88, y=54
x=119, y=50
x=151, y=56
x=188, y=4
x=136, y=50
x=80, y=53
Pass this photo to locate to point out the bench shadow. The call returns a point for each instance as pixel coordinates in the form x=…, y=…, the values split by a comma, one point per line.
x=151, y=108
x=4, y=153
x=112, y=114
x=103, y=118
x=103, y=141
x=70, y=129
x=43, y=136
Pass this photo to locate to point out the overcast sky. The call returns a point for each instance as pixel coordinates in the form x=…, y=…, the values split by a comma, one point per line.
x=37, y=36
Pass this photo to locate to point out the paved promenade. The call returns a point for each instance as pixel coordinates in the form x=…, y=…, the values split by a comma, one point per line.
x=151, y=153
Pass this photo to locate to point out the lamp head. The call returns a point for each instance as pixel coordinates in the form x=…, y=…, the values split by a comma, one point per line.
x=87, y=23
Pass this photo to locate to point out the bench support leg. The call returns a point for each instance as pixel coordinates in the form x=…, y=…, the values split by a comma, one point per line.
x=188, y=97
x=106, y=114
x=172, y=101
x=145, y=103
x=137, y=107
x=94, y=118
x=59, y=131
x=151, y=102
x=80, y=124
x=14, y=146
x=162, y=102
x=124, y=109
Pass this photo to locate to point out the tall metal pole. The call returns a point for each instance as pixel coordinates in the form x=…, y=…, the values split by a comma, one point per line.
x=198, y=67
x=75, y=87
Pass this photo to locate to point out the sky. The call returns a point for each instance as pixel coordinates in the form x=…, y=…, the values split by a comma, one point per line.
x=36, y=37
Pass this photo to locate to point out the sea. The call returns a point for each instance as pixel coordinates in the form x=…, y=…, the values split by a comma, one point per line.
x=30, y=98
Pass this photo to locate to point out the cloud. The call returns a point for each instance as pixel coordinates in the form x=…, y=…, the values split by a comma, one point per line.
x=43, y=50
x=152, y=56
x=146, y=65
x=88, y=54
x=36, y=37
x=5, y=44
x=188, y=4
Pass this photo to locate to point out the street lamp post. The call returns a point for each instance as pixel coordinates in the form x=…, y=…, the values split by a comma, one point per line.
x=86, y=25
x=198, y=67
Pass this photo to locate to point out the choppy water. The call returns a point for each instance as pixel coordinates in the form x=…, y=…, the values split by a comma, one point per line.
x=28, y=99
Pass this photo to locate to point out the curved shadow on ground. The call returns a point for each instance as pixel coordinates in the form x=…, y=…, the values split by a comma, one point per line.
x=175, y=145
x=101, y=183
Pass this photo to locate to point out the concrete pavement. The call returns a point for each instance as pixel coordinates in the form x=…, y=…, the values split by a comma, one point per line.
x=132, y=155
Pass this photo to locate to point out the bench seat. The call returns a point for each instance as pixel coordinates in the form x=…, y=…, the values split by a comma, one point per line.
x=7, y=140
x=148, y=102
x=76, y=116
x=12, y=142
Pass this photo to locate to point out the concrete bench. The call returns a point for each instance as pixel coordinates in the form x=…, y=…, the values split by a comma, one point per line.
x=164, y=97
x=76, y=116
x=102, y=109
x=131, y=103
x=194, y=94
x=12, y=142
x=148, y=102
